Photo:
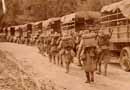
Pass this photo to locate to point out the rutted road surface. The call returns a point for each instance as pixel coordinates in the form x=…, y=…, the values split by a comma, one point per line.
x=39, y=66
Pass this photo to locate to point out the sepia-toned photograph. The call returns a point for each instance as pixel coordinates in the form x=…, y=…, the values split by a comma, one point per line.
x=64, y=44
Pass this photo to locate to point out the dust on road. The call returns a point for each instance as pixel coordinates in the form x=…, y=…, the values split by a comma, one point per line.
x=39, y=66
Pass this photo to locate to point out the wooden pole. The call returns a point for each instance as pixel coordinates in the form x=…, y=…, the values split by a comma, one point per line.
x=4, y=6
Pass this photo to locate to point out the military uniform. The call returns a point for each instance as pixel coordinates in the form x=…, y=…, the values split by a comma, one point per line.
x=58, y=55
x=54, y=49
x=88, y=56
x=67, y=51
x=104, y=52
x=60, y=52
x=78, y=46
x=79, y=50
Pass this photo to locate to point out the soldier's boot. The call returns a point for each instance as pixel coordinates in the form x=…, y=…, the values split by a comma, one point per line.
x=62, y=63
x=50, y=58
x=88, y=77
x=92, y=76
x=58, y=59
x=67, y=67
x=54, y=59
x=96, y=66
x=105, y=67
x=79, y=63
x=99, y=69
x=61, y=60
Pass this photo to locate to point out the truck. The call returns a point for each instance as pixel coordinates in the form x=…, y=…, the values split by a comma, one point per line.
x=116, y=17
x=79, y=22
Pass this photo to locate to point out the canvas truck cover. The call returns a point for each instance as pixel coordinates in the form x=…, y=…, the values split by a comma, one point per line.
x=52, y=20
x=81, y=14
x=37, y=25
x=88, y=15
x=123, y=5
x=46, y=23
x=68, y=18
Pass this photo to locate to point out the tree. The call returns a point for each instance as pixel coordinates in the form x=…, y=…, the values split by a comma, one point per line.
x=25, y=11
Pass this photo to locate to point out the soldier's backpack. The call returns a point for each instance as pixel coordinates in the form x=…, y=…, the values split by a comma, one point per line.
x=89, y=40
x=104, y=37
x=104, y=40
x=68, y=42
x=53, y=42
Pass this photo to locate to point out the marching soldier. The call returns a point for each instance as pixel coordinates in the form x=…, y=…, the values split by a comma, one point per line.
x=49, y=39
x=54, y=47
x=67, y=45
x=78, y=47
x=43, y=46
x=88, y=56
x=6, y=34
x=60, y=51
x=46, y=41
x=59, y=57
x=40, y=45
x=89, y=63
x=103, y=50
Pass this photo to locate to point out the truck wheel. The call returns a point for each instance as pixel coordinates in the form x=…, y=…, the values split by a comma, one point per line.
x=125, y=58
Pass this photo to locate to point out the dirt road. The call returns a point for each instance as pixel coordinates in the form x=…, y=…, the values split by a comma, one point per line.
x=39, y=67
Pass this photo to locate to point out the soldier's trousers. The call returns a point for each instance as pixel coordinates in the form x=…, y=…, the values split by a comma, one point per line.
x=89, y=76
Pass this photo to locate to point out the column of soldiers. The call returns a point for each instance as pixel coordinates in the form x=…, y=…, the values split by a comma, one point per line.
x=88, y=47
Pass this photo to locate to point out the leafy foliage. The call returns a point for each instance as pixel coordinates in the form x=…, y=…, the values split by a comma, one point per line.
x=24, y=11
